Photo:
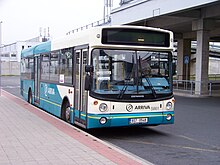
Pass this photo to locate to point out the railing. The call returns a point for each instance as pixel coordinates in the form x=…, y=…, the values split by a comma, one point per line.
x=101, y=22
x=188, y=86
x=212, y=77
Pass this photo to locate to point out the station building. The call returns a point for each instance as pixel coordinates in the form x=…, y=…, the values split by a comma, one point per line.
x=11, y=55
x=191, y=21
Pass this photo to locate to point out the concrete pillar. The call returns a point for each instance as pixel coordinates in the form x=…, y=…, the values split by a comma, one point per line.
x=183, y=50
x=202, y=56
x=202, y=62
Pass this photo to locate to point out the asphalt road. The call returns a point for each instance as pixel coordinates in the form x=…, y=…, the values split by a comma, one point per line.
x=11, y=84
x=194, y=139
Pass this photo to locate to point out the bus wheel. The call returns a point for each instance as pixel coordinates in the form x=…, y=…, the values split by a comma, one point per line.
x=66, y=111
x=30, y=97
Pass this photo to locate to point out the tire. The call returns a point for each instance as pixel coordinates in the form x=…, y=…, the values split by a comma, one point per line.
x=65, y=111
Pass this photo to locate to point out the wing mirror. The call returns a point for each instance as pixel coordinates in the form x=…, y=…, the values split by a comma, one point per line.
x=88, y=79
x=89, y=68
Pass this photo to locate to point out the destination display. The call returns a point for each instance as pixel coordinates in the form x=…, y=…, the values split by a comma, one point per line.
x=136, y=37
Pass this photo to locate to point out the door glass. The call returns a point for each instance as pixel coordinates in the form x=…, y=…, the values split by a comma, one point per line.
x=37, y=79
x=77, y=96
x=84, y=92
x=80, y=93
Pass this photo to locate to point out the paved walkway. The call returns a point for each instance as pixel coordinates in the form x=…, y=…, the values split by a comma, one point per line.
x=29, y=136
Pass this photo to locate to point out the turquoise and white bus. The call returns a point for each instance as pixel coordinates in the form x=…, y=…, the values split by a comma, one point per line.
x=103, y=77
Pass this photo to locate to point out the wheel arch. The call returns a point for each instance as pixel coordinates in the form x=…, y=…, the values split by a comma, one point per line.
x=64, y=101
x=30, y=95
x=29, y=90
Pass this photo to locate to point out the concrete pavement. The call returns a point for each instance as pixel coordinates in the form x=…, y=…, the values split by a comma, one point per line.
x=29, y=136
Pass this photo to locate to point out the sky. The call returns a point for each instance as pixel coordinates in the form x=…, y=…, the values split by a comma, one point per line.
x=22, y=19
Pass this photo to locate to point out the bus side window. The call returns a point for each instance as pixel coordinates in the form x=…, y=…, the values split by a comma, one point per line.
x=31, y=67
x=23, y=68
x=54, y=66
x=45, y=66
x=66, y=66
x=27, y=68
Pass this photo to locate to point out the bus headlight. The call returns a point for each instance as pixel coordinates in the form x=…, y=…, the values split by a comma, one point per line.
x=169, y=105
x=103, y=107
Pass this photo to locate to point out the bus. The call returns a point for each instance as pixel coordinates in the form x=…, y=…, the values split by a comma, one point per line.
x=117, y=76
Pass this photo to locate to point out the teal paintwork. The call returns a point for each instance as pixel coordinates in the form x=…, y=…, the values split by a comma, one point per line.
x=50, y=98
x=122, y=120
x=37, y=49
x=26, y=85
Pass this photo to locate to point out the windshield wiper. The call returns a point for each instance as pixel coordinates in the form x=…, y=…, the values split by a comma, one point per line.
x=148, y=81
x=121, y=94
x=151, y=87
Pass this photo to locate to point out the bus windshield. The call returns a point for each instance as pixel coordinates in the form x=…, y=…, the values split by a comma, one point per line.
x=124, y=74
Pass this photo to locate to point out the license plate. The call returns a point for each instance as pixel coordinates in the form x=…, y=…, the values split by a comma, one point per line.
x=138, y=120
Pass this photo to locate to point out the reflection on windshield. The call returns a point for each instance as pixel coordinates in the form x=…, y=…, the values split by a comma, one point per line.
x=123, y=72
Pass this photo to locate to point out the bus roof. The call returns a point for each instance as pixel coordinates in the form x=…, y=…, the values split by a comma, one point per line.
x=89, y=36
x=37, y=49
x=93, y=36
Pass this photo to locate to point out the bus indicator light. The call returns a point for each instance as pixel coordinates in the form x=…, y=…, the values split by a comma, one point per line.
x=95, y=102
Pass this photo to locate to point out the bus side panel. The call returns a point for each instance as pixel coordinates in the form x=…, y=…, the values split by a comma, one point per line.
x=67, y=92
x=25, y=86
x=51, y=98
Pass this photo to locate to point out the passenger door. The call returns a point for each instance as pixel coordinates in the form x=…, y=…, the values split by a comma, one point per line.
x=37, y=79
x=81, y=95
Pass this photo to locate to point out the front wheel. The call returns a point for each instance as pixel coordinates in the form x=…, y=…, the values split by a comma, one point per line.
x=66, y=111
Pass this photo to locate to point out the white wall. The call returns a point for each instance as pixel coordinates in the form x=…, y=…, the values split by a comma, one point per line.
x=10, y=68
x=214, y=66
x=15, y=48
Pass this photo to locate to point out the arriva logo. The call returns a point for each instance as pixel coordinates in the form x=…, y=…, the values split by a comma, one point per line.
x=142, y=107
x=129, y=107
x=48, y=90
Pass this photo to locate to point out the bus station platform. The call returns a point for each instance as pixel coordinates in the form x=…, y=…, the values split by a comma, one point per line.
x=30, y=136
